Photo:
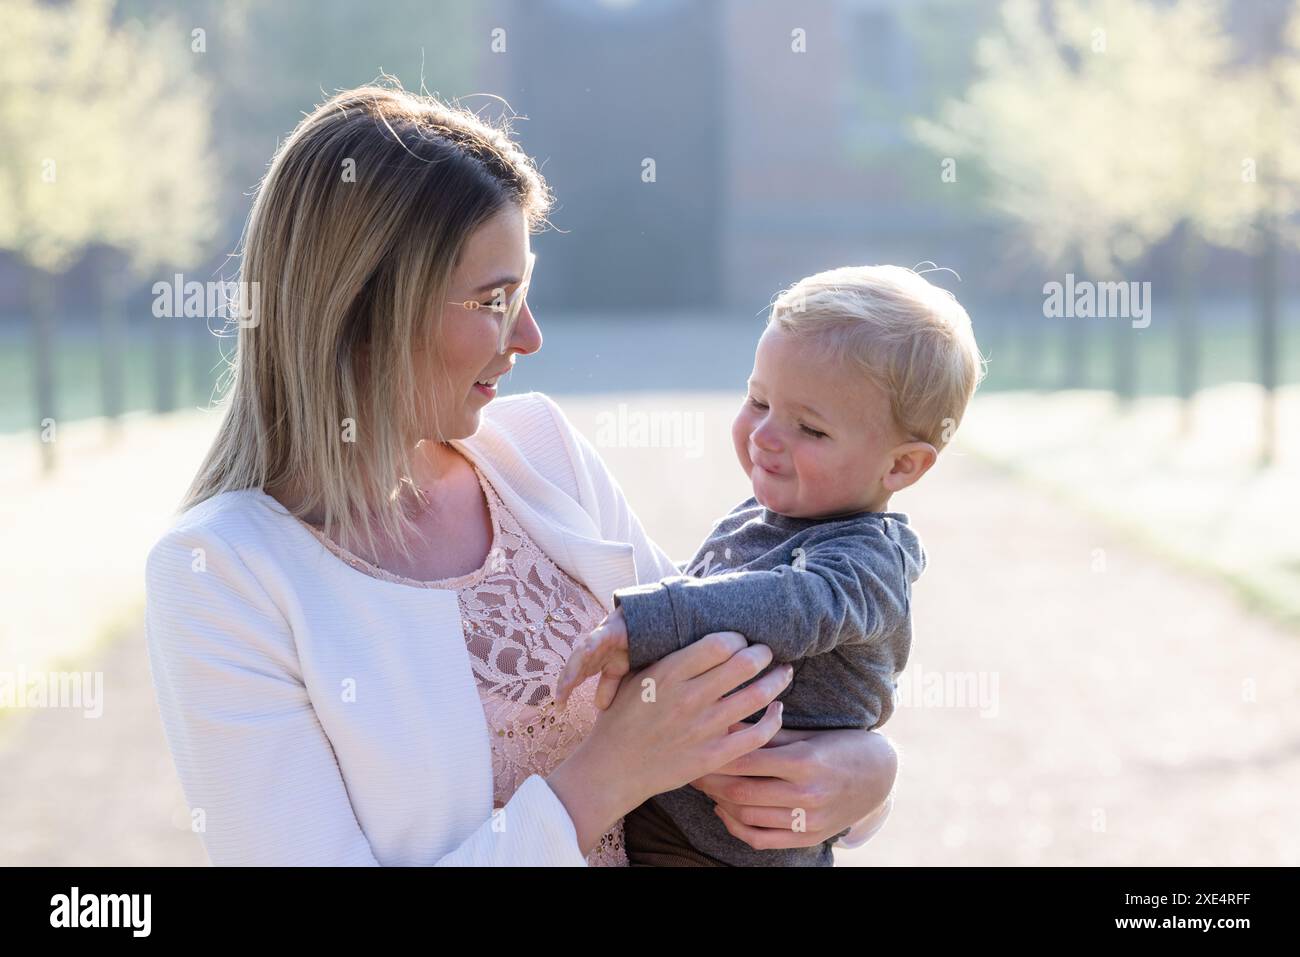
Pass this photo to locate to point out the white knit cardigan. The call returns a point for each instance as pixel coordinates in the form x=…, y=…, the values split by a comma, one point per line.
x=319, y=716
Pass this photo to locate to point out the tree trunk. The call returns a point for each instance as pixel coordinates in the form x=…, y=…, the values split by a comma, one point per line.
x=164, y=354
x=1125, y=342
x=1267, y=351
x=1074, y=367
x=203, y=360
x=112, y=335
x=1187, y=344
x=1032, y=331
x=40, y=303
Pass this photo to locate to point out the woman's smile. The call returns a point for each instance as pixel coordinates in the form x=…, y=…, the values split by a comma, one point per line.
x=488, y=384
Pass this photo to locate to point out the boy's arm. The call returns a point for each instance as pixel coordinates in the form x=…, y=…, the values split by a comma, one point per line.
x=848, y=590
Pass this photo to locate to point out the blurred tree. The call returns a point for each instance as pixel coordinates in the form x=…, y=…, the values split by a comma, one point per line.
x=166, y=215
x=913, y=56
x=44, y=205
x=1264, y=129
x=268, y=62
x=110, y=116
x=106, y=142
x=1098, y=123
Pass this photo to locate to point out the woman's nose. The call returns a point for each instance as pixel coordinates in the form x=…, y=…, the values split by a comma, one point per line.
x=527, y=336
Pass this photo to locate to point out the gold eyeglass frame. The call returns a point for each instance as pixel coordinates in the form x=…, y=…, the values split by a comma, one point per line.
x=509, y=310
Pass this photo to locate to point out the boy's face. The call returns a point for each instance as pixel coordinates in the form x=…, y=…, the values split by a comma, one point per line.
x=814, y=437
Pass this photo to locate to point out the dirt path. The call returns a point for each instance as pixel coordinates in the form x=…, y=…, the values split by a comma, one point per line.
x=1142, y=718
x=1131, y=714
x=95, y=791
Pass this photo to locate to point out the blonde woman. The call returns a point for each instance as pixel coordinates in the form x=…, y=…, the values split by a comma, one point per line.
x=356, y=624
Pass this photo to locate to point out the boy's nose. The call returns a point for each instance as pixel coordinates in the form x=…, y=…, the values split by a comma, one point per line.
x=765, y=439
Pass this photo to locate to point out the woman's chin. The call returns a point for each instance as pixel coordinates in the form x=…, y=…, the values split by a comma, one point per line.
x=464, y=424
x=472, y=421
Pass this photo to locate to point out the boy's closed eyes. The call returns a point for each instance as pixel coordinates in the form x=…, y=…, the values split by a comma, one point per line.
x=816, y=437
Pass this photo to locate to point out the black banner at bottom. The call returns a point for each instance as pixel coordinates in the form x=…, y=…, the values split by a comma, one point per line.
x=932, y=906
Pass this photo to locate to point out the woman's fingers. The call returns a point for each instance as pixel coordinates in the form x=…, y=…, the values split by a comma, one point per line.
x=790, y=736
x=756, y=792
x=756, y=696
x=767, y=838
x=761, y=839
x=700, y=656
x=753, y=735
x=775, y=817
x=734, y=672
x=777, y=760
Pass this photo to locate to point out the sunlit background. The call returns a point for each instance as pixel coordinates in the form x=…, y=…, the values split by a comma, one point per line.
x=1105, y=665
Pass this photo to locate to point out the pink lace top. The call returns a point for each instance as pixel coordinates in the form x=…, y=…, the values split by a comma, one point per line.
x=521, y=615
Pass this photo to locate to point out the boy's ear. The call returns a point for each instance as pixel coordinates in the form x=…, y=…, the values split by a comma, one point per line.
x=910, y=462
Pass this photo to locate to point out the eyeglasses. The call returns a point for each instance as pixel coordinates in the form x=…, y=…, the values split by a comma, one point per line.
x=507, y=309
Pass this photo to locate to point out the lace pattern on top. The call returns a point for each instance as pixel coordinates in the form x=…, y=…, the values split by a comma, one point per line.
x=521, y=615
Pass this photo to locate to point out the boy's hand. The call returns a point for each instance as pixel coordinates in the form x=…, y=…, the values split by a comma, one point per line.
x=604, y=651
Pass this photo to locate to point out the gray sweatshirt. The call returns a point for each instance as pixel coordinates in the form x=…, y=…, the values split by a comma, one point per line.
x=832, y=596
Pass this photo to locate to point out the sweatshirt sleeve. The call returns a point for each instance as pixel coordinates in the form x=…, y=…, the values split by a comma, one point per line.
x=848, y=590
x=259, y=773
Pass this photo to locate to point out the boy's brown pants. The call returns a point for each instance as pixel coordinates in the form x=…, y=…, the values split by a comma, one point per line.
x=653, y=840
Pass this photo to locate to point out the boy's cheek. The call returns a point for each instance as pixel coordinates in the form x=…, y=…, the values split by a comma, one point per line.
x=740, y=441
x=820, y=478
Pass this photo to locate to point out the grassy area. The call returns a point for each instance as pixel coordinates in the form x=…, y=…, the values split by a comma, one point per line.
x=78, y=374
x=1034, y=356
x=696, y=351
x=1198, y=498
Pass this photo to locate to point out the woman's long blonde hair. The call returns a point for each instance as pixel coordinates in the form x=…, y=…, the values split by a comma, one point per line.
x=349, y=248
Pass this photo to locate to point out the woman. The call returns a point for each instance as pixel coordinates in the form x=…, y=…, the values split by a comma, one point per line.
x=356, y=624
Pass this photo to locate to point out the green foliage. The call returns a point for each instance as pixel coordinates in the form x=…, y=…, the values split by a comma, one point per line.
x=106, y=132
x=270, y=62
x=1103, y=125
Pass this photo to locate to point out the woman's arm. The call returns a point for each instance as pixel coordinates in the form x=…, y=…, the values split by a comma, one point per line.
x=258, y=771
x=839, y=778
x=868, y=827
x=668, y=724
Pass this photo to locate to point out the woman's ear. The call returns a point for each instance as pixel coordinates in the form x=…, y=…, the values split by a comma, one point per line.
x=910, y=462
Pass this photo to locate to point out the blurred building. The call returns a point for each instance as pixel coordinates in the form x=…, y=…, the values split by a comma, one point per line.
x=767, y=162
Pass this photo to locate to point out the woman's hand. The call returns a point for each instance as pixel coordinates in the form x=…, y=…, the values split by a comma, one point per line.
x=837, y=778
x=669, y=724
